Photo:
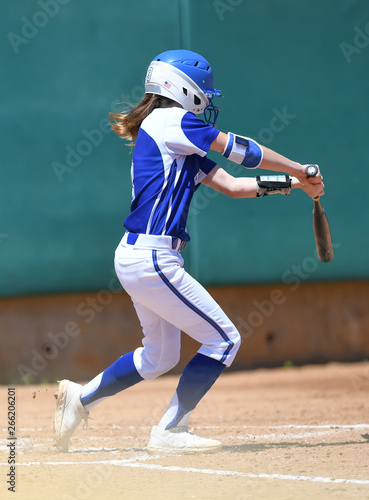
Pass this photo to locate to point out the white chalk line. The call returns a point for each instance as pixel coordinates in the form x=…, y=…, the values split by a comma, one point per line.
x=272, y=436
x=214, y=472
x=275, y=437
x=328, y=426
x=25, y=442
x=286, y=426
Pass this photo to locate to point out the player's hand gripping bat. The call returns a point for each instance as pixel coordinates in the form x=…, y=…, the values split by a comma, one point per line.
x=322, y=232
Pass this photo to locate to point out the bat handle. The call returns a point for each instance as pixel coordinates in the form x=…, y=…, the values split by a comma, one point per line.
x=311, y=171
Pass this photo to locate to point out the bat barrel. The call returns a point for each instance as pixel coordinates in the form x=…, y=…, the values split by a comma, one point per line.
x=318, y=209
x=322, y=232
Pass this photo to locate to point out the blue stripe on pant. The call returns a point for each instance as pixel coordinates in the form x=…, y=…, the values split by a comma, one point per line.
x=193, y=307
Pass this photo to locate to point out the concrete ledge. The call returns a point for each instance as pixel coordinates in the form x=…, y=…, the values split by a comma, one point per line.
x=76, y=336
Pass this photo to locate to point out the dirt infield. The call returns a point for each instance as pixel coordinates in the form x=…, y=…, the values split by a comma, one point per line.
x=293, y=433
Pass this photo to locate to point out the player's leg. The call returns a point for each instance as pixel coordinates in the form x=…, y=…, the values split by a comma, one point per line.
x=181, y=300
x=75, y=401
x=220, y=341
x=197, y=378
x=172, y=434
x=117, y=377
x=161, y=344
x=160, y=353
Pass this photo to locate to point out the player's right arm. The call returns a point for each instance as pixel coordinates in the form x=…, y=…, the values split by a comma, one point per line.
x=246, y=187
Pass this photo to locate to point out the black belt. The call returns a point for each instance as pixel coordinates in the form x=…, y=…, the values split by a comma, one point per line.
x=176, y=243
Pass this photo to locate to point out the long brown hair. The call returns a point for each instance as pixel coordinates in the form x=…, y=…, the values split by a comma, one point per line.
x=126, y=125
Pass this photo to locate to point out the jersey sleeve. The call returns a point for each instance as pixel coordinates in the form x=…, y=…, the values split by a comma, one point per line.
x=188, y=135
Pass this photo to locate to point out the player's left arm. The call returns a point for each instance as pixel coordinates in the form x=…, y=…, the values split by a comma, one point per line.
x=250, y=154
x=226, y=144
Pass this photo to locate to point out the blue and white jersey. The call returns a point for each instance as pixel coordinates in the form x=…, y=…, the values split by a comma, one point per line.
x=169, y=162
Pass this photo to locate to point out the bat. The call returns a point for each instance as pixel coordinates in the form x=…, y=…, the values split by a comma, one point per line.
x=322, y=232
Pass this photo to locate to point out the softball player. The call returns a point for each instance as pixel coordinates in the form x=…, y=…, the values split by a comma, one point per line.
x=169, y=163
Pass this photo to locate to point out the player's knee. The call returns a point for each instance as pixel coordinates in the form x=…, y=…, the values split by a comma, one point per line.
x=153, y=367
x=155, y=372
x=235, y=339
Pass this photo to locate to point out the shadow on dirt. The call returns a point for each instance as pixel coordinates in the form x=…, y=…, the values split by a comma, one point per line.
x=250, y=447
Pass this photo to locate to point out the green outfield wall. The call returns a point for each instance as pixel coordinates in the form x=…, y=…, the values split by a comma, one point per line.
x=294, y=75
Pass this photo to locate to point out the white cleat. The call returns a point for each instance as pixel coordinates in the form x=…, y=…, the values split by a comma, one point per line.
x=180, y=440
x=69, y=413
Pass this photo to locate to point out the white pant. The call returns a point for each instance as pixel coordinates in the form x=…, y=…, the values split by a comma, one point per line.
x=167, y=300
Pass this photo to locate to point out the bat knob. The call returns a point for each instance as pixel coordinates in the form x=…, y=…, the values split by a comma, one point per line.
x=311, y=170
